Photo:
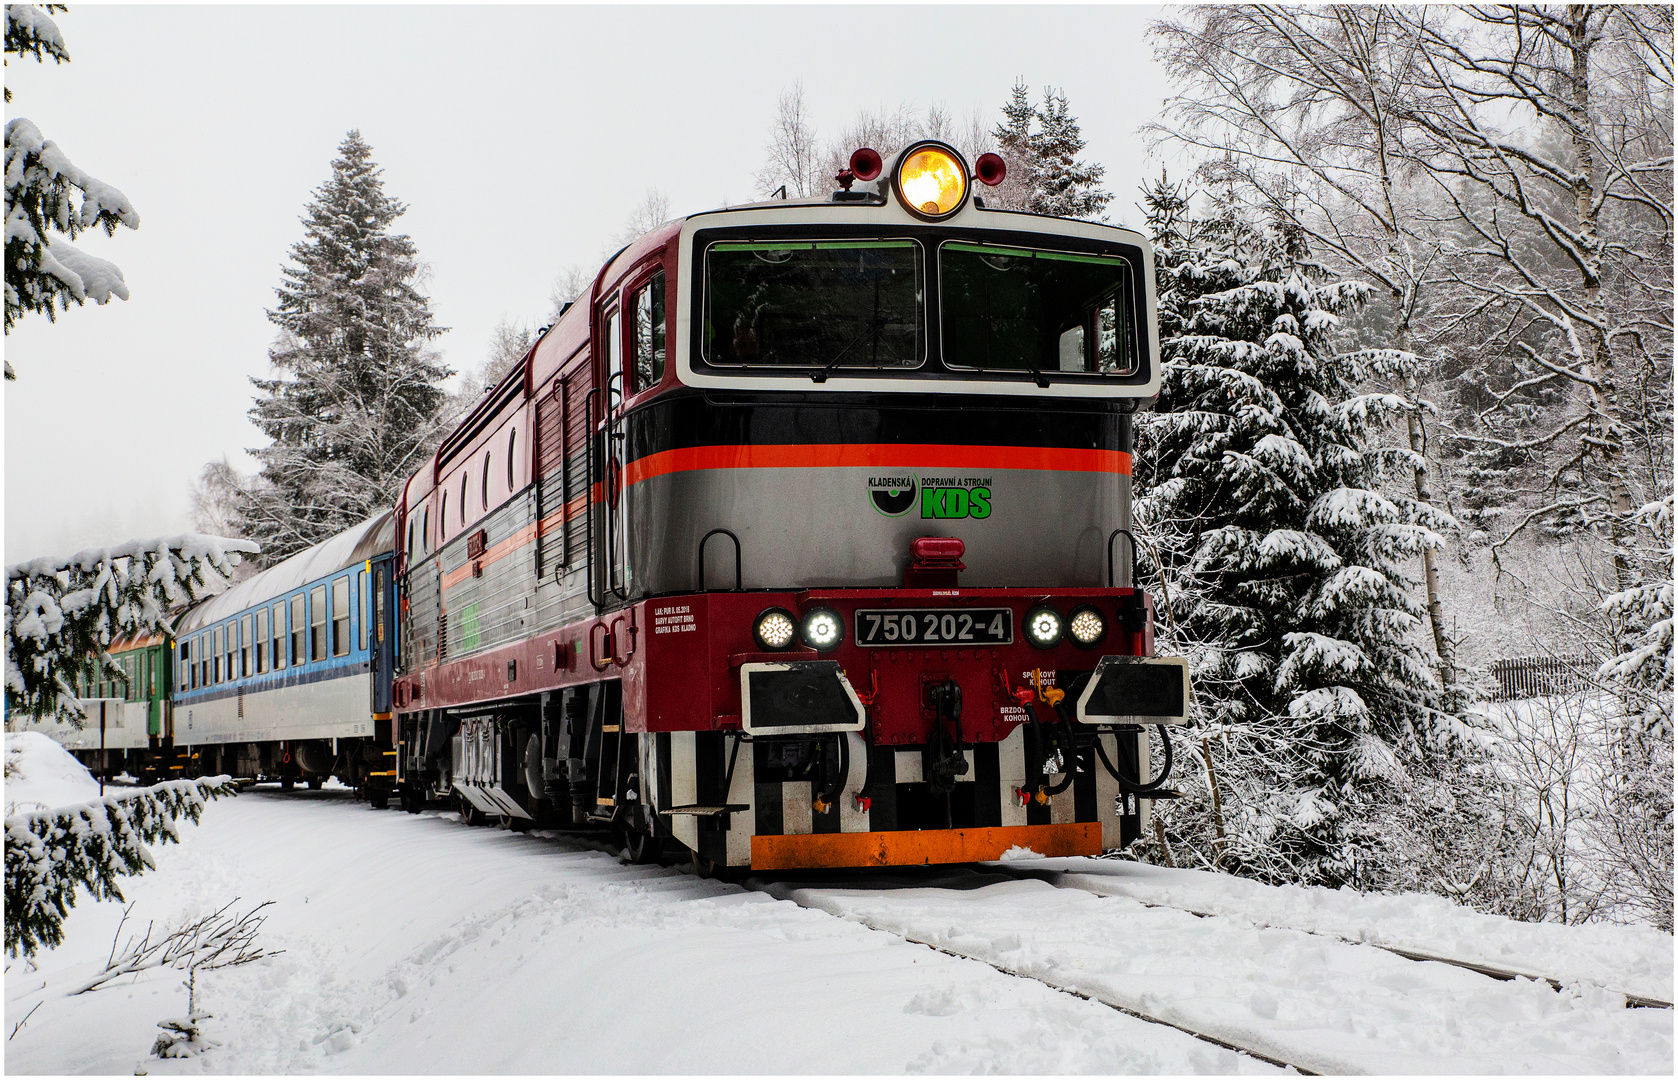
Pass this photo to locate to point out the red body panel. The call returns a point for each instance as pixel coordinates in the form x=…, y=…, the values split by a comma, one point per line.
x=679, y=659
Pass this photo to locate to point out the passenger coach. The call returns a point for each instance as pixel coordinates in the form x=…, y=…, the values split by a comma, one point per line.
x=803, y=539
x=286, y=676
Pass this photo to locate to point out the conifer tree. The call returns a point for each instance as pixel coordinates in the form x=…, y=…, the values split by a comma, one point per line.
x=1291, y=535
x=1040, y=143
x=357, y=406
x=1015, y=142
x=1065, y=186
x=44, y=273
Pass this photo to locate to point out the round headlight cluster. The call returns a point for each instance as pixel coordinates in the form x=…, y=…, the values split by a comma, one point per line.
x=774, y=629
x=1044, y=627
x=1087, y=627
x=932, y=180
x=823, y=629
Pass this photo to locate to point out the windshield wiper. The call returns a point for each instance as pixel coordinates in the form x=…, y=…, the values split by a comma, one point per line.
x=1031, y=366
x=827, y=369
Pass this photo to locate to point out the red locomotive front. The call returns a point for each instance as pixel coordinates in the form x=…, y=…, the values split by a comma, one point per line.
x=803, y=540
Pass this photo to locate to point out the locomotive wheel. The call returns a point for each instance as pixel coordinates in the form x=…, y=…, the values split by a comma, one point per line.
x=515, y=824
x=378, y=799
x=287, y=783
x=644, y=847
x=641, y=847
x=316, y=782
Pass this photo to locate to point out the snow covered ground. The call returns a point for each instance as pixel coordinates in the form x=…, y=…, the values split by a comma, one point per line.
x=414, y=944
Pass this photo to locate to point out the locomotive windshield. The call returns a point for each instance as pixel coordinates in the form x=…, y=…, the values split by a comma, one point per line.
x=828, y=304
x=1015, y=309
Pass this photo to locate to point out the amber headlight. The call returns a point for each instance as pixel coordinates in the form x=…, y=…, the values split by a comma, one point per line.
x=931, y=180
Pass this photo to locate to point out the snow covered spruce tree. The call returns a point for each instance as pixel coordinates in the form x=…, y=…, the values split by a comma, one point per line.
x=44, y=274
x=358, y=403
x=1284, y=524
x=62, y=613
x=1041, y=144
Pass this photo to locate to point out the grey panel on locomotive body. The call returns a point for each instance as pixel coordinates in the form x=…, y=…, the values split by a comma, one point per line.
x=818, y=528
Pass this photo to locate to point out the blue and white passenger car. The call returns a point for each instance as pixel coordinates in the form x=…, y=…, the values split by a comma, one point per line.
x=286, y=676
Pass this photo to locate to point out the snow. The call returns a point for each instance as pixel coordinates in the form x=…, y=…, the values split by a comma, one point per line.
x=1629, y=959
x=86, y=276
x=1328, y=1006
x=42, y=775
x=414, y=944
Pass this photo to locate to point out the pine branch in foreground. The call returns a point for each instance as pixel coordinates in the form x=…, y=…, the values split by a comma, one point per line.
x=51, y=852
x=63, y=612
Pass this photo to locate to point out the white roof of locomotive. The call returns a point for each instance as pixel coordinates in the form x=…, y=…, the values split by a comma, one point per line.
x=356, y=544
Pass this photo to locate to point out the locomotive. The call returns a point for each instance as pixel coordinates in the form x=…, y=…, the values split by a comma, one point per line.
x=793, y=541
x=802, y=540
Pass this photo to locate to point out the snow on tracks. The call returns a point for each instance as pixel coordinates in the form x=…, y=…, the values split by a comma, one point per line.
x=1324, y=1005
x=419, y=945
x=1629, y=959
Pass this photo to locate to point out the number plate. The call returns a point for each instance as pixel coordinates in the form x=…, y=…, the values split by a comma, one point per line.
x=935, y=626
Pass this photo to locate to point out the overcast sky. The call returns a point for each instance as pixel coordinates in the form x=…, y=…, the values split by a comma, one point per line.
x=521, y=139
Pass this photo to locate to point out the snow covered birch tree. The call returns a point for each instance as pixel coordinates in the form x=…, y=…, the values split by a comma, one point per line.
x=1259, y=454
x=63, y=612
x=43, y=273
x=359, y=403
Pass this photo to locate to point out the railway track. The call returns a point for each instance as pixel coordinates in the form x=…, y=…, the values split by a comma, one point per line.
x=1316, y=1003
x=1263, y=1055
x=1059, y=879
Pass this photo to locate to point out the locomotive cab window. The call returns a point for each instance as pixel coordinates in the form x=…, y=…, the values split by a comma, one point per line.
x=1014, y=309
x=647, y=330
x=814, y=304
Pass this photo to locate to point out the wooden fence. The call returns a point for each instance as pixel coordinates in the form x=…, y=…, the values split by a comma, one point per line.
x=1540, y=676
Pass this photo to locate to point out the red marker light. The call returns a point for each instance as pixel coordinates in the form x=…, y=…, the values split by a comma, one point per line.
x=866, y=164
x=938, y=549
x=990, y=170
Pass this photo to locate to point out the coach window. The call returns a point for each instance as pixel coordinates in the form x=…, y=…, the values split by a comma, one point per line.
x=260, y=642
x=205, y=642
x=277, y=628
x=648, y=330
x=341, y=616
x=411, y=552
x=231, y=651
x=245, y=640
x=443, y=519
x=317, y=623
x=184, y=678
x=425, y=529
x=463, y=496
x=299, y=629
x=511, y=439
x=361, y=609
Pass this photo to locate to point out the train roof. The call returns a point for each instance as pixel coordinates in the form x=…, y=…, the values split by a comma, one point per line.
x=354, y=545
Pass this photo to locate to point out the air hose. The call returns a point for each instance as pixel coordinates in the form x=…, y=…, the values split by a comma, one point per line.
x=1135, y=786
x=833, y=788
